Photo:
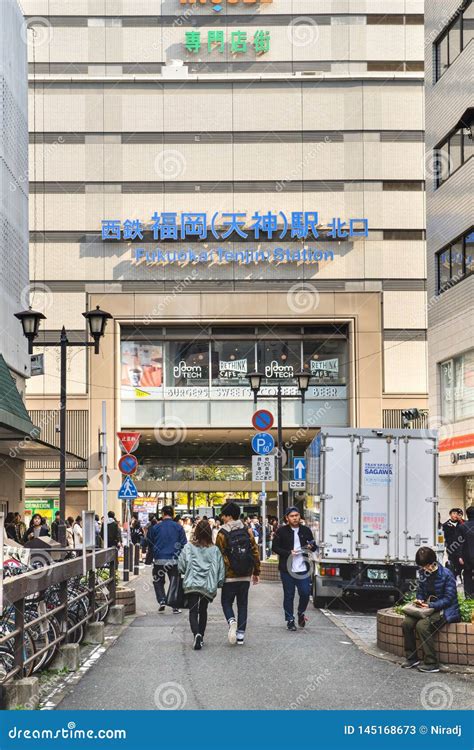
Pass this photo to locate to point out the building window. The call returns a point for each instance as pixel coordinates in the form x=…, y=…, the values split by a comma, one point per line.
x=279, y=361
x=141, y=369
x=326, y=361
x=454, y=39
x=455, y=262
x=231, y=361
x=457, y=387
x=454, y=151
x=187, y=364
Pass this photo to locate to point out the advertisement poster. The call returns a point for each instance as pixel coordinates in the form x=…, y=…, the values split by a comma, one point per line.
x=141, y=370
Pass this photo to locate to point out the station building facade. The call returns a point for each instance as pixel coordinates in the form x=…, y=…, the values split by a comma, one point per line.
x=241, y=189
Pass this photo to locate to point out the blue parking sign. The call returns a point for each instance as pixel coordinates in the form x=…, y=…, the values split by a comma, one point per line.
x=263, y=443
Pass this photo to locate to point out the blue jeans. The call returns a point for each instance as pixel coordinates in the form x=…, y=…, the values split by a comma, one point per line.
x=290, y=584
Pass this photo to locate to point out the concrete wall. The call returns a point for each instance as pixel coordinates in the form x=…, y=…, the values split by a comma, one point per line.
x=14, y=289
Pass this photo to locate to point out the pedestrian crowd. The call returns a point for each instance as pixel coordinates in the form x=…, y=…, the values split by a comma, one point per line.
x=199, y=558
x=16, y=530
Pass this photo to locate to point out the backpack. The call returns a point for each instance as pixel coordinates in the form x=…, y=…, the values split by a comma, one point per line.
x=239, y=551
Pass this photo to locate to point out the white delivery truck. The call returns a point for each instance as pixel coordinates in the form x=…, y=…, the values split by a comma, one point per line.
x=371, y=503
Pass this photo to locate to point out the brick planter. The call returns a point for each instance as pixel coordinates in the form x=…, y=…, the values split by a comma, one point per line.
x=128, y=599
x=454, y=642
x=269, y=572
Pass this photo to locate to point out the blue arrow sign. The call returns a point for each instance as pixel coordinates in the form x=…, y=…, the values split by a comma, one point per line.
x=299, y=469
x=127, y=491
x=263, y=443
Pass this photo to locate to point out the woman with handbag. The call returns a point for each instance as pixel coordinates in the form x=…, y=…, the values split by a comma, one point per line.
x=202, y=567
x=435, y=605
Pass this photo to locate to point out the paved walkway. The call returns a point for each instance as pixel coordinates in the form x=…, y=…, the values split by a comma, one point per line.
x=153, y=666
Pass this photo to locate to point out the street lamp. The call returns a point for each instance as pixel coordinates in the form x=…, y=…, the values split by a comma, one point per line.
x=303, y=379
x=255, y=383
x=97, y=320
x=30, y=321
x=255, y=379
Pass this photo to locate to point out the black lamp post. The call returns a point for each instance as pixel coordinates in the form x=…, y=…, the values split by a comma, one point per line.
x=255, y=379
x=30, y=321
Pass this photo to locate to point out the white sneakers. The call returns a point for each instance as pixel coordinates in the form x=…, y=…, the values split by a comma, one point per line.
x=232, y=634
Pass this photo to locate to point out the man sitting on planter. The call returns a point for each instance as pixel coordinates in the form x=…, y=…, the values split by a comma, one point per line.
x=436, y=591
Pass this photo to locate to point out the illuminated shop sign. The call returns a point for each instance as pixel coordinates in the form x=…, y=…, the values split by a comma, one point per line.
x=258, y=227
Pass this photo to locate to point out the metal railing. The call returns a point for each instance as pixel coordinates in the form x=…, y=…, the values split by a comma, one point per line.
x=51, y=605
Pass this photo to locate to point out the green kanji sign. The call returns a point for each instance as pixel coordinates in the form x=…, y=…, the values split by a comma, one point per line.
x=239, y=43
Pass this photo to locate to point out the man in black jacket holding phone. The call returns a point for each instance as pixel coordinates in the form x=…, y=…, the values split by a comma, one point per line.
x=293, y=544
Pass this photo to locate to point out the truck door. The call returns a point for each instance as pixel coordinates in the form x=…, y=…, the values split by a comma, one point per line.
x=417, y=511
x=376, y=498
x=339, y=475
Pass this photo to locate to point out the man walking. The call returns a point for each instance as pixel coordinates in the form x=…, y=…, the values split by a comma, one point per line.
x=167, y=540
x=451, y=530
x=114, y=535
x=293, y=543
x=242, y=565
x=466, y=533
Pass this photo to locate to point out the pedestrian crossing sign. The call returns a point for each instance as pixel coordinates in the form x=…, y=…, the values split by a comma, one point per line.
x=127, y=491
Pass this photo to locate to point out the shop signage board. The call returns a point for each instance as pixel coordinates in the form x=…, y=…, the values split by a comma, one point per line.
x=45, y=506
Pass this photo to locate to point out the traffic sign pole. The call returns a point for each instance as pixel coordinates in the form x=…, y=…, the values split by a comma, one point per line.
x=103, y=460
x=264, y=523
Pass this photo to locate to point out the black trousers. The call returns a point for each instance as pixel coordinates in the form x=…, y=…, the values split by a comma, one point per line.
x=197, y=612
x=159, y=572
x=468, y=579
x=239, y=590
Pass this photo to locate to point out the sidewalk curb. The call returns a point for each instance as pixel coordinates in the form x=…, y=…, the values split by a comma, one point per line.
x=385, y=655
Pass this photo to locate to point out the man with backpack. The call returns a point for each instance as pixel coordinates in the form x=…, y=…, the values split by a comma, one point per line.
x=242, y=565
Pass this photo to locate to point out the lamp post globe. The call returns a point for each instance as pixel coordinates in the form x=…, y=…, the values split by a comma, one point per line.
x=30, y=322
x=255, y=379
x=97, y=320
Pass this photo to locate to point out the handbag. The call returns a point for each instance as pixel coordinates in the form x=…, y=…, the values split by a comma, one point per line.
x=176, y=597
x=419, y=613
